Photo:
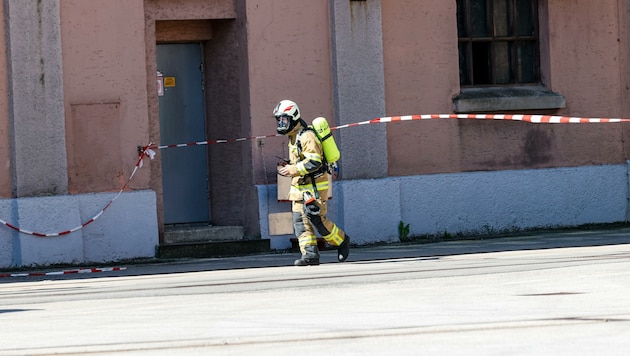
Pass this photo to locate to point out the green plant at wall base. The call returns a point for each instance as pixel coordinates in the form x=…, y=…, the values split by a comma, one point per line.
x=403, y=231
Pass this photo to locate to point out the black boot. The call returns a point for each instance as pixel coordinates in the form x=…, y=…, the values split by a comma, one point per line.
x=309, y=258
x=305, y=261
x=344, y=249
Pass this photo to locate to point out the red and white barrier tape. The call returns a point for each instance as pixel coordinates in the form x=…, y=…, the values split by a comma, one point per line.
x=59, y=273
x=534, y=119
x=145, y=152
x=148, y=151
x=211, y=142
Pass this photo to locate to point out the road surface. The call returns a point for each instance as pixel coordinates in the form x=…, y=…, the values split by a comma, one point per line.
x=559, y=293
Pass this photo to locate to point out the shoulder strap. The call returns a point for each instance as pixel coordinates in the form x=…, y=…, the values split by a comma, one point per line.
x=297, y=139
x=324, y=162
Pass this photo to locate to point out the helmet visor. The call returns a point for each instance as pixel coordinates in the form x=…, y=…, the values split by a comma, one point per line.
x=284, y=122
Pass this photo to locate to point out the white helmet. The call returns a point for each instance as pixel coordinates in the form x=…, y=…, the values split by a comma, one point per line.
x=287, y=115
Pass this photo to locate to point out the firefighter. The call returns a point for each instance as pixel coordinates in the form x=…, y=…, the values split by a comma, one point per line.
x=309, y=186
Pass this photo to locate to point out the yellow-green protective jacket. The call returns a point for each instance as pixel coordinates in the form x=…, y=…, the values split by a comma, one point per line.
x=302, y=163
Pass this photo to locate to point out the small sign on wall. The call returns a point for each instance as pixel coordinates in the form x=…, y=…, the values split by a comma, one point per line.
x=169, y=82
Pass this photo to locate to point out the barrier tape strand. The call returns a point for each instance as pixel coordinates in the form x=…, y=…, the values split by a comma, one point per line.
x=534, y=119
x=145, y=152
x=148, y=150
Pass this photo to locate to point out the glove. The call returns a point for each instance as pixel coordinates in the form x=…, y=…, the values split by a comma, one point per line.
x=310, y=204
x=311, y=209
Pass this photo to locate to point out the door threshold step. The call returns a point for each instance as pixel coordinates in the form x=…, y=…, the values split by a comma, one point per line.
x=202, y=233
x=214, y=249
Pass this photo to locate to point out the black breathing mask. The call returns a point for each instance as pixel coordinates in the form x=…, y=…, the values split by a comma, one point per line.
x=285, y=124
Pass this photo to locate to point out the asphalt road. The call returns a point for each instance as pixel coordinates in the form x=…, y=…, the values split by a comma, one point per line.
x=557, y=293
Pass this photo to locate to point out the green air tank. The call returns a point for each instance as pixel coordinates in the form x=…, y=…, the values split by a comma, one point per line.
x=331, y=152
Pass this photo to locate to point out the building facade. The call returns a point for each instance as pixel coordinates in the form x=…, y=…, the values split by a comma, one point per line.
x=78, y=97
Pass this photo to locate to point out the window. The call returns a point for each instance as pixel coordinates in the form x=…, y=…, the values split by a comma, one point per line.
x=498, y=42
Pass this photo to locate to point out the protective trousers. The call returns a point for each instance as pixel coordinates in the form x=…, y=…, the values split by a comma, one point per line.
x=307, y=221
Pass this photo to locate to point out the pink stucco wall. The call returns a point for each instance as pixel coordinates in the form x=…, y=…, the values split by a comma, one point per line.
x=289, y=58
x=421, y=77
x=584, y=58
x=5, y=161
x=587, y=58
x=105, y=92
x=587, y=54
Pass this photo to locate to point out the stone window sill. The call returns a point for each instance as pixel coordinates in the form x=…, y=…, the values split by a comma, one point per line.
x=500, y=99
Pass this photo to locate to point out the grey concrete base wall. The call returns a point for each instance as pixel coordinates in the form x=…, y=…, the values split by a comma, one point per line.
x=128, y=229
x=470, y=203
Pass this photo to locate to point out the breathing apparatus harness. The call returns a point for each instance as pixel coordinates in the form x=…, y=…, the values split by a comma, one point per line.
x=331, y=153
x=324, y=167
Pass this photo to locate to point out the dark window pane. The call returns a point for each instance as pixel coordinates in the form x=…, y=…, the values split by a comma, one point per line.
x=502, y=17
x=479, y=18
x=481, y=63
x=501, y=61
x=462, y=23
x=525, y=17
x=464, y=78
x=527, y=59
x=498, y=42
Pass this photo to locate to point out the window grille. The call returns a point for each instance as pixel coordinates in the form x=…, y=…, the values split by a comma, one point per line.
x=498, y=42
